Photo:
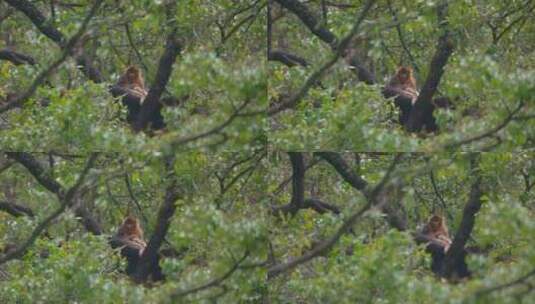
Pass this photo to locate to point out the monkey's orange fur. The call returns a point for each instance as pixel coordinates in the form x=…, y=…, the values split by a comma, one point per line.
x=132, y=81
x=436, y=229
x=130, y=232
x=404, y=82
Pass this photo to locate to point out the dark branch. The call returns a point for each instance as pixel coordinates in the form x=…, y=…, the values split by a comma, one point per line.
x=457, y=251
x=326, y=245
x=67, y=49
x=287, y=58
x=15, y=57
x=423, y=107
x=340, y=165
x=173, y=47
x=149, y=261
x=310, y=21
x=320, y=206
x=15, y=209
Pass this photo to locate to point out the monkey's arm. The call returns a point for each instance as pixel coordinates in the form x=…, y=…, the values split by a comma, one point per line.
x=129, y=249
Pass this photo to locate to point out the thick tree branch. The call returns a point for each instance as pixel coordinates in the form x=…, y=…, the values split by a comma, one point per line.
x=173, y=47
x=457, y=251
x=15, y=209
x=15, y=57
x=423, y=107
x=391, y=194
x=340, y=165
x=310, y=21
x=298, y=201
x=320, y=206
x=326, y=245
x=148, y=263
x=298, y=180
x=286, y=58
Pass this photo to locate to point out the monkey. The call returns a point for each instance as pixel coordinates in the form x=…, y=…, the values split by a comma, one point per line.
x=131, y=89
x=131, y=234
x=404, y=84
x=437, y=231
x=132, y=82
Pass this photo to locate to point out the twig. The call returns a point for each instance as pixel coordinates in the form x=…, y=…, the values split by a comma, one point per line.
x=212, y=283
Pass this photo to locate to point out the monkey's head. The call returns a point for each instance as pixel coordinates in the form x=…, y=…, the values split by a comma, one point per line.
x=133, y=73
x=436, y=222
x=130, y=226
x=404, y=74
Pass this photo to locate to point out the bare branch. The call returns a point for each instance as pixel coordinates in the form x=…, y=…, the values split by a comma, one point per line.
x=15, y=57
x=15, y=209
x=326, y=245
x=214, y=282
x=310, y=21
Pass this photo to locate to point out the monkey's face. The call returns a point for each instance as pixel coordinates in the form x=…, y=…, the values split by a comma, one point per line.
x=130, y=224
x=435, y=222
x=404, y=74
x=132, y=75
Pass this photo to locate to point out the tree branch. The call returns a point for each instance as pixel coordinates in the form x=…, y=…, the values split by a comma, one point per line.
x=15, y=57
x=310, y=21
x=286, y=58
x=148, y=263
x=214, y=282
x=173, y=47
x=15, y=209
x=326, y=245
x=457, y=251
x=340, y=165
x=423, y=106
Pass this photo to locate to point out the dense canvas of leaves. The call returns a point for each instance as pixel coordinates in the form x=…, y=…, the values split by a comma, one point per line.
x=267, y=155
